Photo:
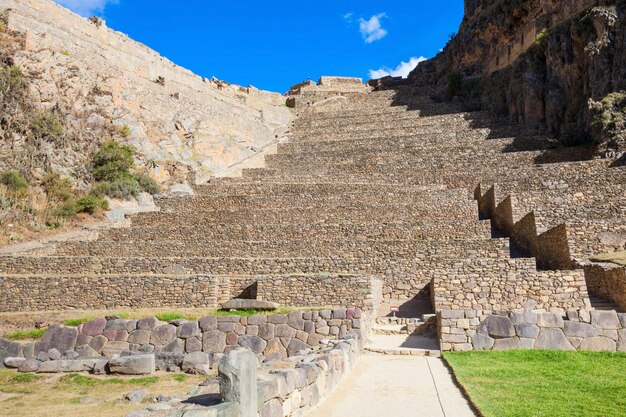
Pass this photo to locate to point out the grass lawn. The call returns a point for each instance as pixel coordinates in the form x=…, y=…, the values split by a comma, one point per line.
x=33, y=395
x=536, y=383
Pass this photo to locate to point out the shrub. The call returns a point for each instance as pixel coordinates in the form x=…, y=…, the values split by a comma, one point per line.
x=170, y=315
x=113, y=161
x=77, y=322
x=46, y=125
x=13, y=85
x=123, y=188
x=147, y=184
x=609, y=117
x=66, y=210
x=58, y=188
x=91, y=204
x=455, y=84
x=14, y=181
x=125, y=131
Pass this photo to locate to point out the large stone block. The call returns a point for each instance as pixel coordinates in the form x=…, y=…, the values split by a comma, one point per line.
x=498, y=327
x=553, y=320
x=133, y=365
x=246, y=304
x=188, y=329
x=552, y=339
x=238, y=380
x=9, y=349
x=527, y=330
x=163, y=335
x=213, y=341
x=598, y=344
x=578, y=329
x=607, y=320
x=140, y=337
x=94, y=327
x=208, y=323
x=482, y=342
x=523, y=317
x=296, y=346
x=78, y=365
x=60, y=337
x=254, y=343
x=196, y=363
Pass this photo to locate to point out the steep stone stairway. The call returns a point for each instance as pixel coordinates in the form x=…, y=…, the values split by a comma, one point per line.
x=384, y=187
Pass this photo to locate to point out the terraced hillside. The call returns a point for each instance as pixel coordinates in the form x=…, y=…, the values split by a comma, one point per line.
x=386, y=187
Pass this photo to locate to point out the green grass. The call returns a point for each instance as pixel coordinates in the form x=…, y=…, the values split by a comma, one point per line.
x=179, y=377
x=251, y=312
x=83, y=381
x=77, y=322
x=14, y=383
x=538, y=383
x=171, y=315
x=26, y=335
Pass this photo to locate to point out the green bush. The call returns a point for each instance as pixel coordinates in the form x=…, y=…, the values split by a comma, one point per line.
x=123, y=188
x=113, y=161
x=91, y=204
x=13, y=86
x=147, y=184
x=609, y=117
x=58, y=188
x=14, y=180
x=455, y=84
x=66, y=210
x=125, y=131
x=46, y=125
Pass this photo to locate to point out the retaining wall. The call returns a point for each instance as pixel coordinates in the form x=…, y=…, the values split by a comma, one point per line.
x=279, y=335
x=461, y=330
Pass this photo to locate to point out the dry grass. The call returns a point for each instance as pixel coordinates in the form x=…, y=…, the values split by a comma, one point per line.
x=618, y=258
x=29, y=395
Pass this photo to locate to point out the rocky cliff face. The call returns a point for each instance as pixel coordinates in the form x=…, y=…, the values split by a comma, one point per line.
x=553, y=63
x=104, y=86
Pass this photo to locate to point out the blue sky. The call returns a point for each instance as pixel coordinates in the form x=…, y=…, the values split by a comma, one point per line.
x=273, y=45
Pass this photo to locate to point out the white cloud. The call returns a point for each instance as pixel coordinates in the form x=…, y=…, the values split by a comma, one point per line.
x=371, y=29
x=348, y=17
x=402, y=70
x=86, y=8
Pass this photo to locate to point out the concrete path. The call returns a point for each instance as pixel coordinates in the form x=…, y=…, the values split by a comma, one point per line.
x=396, y=386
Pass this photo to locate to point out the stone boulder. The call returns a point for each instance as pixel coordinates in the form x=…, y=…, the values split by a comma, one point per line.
x=552, y=339
x=61, y=338
x=244, y=304
x=9, y=349
x=498, y=327
x=59, y=366
x=196, y=363
x=133, y=365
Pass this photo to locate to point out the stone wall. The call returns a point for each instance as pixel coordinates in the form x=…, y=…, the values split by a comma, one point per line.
x=278, y=335
x=312, y=381
x=89, y=292
x=608, y=282
x=504, y=285
x=461, y=330
x=321, y=290
x=187, y=121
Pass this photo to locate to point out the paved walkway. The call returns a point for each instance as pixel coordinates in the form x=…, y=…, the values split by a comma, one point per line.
x=396, y=386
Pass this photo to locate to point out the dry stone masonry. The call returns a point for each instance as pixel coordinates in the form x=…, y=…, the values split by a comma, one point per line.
x=378, y=197
x=177, y=345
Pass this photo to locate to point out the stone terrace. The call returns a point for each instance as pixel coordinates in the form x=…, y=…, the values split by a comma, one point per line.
x=376, y=185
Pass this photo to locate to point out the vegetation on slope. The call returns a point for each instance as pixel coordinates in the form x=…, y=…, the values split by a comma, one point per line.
x=543, y=383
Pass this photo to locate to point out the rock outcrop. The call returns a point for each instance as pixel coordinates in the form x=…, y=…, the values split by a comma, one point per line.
x=555, y=64
x=101, y=82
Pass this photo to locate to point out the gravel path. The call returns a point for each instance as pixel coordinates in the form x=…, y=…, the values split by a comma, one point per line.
x=396, y=386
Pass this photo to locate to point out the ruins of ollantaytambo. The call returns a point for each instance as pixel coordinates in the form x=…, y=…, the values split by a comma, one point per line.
x=447, y=243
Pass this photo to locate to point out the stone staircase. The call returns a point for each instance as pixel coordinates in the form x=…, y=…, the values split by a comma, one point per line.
x=384, y=187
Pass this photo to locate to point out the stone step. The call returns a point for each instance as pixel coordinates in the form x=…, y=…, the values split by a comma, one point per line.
x=373, y=199
x=239, y=187
x=305, y=248
x=364, y=123
x=397, y=212
x=424, y=152
x=312, y=122
x=447, y=141
x=358, y=230
x=402, y=268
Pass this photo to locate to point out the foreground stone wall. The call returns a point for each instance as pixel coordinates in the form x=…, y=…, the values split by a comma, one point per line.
x=276, y=336
x=461, y=330
x=184, y=120
x=43, y=293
